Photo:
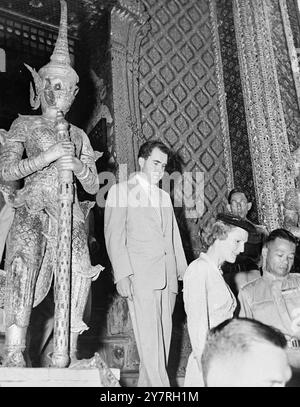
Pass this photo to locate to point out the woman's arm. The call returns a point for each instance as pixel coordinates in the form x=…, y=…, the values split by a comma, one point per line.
x=196, y=308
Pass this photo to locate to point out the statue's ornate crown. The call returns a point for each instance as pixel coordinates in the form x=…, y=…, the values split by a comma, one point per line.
x=60, y=62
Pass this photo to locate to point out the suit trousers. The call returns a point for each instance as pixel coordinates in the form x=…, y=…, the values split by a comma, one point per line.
x=151, y=315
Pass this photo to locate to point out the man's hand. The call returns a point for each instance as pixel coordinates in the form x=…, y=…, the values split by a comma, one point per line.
x=124, y=288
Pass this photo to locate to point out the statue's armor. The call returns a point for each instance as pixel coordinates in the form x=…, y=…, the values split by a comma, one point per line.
x=32, y=241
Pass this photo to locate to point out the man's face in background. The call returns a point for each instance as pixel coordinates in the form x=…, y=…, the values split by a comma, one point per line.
x=239, y=206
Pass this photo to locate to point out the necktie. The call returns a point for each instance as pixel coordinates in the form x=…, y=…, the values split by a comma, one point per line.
x=155, y=202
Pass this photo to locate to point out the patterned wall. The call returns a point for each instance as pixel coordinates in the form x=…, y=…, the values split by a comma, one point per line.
x=241, y=159
x=285, y=77
x=178, y=93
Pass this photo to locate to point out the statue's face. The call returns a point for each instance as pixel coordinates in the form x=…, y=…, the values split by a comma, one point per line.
x=58, y=93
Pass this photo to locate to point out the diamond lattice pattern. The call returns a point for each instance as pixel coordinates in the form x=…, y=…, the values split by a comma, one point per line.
x=178, y=90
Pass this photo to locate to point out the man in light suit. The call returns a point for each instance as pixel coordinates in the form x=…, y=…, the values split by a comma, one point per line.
x=145, y=249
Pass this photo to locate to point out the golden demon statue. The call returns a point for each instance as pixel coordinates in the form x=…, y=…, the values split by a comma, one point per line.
x=47, y=237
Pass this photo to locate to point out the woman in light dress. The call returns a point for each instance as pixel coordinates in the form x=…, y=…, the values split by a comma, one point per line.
x=208, y=300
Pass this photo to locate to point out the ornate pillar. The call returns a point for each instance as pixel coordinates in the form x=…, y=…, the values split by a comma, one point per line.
x=267, y=131
x=290, y=47
x=221, y=96
x=128, y=25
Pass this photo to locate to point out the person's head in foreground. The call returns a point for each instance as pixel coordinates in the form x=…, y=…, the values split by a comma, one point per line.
x=245, y=353
x=226, y=236
x=278, y=252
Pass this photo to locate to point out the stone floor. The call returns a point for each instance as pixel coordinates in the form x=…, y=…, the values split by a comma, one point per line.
x=129, y=378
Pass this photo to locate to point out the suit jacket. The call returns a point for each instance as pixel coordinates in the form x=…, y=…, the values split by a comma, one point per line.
x=140, y=242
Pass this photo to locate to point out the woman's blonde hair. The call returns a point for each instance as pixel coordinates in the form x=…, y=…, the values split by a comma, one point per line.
x=215, y=229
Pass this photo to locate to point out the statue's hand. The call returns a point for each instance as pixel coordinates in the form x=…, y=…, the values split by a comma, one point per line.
x=59, y=150
x=69, y=163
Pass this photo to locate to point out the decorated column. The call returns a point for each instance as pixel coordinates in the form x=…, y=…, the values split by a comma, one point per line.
x=128, y=26
x=269, y=146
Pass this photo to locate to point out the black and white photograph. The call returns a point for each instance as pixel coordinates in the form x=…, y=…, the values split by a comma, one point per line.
x=149, y=197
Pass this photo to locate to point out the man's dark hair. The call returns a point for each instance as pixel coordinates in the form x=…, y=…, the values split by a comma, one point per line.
x=236, y=337
x=147, y=148
x=238, y=191
x=280, y=234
